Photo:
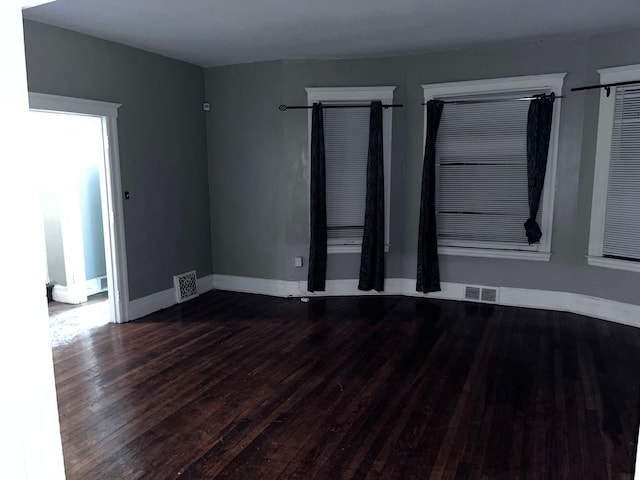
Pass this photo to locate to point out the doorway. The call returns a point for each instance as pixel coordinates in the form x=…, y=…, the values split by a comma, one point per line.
x=75, y=153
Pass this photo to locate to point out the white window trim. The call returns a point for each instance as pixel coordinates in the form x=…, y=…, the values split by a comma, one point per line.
x=81, y=106
x=551, y=82
x=384, y=94
x=601, y=173
x=495, y=253
x=599, y=261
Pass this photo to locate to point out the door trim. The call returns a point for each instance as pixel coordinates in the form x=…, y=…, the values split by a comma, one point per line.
x=117, y=275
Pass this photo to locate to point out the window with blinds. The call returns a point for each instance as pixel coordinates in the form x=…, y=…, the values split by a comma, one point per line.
x=481, y=164
x=346, y=139
x=622, y=219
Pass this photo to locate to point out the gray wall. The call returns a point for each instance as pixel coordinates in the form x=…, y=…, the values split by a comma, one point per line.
x=247, y=182
x=258, y=160
x=161, y=129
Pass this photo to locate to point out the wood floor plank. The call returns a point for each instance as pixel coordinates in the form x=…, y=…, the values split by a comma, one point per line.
x=238, y=386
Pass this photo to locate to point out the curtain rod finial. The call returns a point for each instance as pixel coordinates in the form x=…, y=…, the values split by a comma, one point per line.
x=282, y=108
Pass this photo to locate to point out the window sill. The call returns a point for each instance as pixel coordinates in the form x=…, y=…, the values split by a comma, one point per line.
x=495, y=253
x=349, y=248
x=613, y=263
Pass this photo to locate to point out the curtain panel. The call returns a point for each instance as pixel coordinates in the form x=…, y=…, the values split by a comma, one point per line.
x=428, y=275
x=539, y=121
x=318, y=211
x=372, y=256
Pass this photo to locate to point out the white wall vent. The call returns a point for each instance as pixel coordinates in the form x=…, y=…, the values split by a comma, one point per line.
x=186, y=286
x=481, y=294
x=472, y=293
x=489, y=295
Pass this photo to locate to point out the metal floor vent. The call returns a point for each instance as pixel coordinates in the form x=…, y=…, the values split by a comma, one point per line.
x=186, y=286
x=481, y=294
x=472, y=293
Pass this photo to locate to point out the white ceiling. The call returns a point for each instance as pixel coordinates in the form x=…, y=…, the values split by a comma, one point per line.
x=218, y=32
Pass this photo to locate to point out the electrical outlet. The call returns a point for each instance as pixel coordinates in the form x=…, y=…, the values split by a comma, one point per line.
x=298, y=262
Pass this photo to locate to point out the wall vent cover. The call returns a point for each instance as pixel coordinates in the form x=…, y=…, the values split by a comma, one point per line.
x=481, y=294
x=489, y=295
x=472, y=293
x=186, y=286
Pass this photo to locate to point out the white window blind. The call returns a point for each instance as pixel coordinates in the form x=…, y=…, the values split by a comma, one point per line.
x=622, y=221
x=346, y=138
x=482, y=192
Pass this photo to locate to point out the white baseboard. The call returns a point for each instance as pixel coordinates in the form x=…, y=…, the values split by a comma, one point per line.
x=205, y=284
x=166, y=298
x=141, y=307
x=64, y=294
x=261, y=286
x=334, y=288
x=625, y=313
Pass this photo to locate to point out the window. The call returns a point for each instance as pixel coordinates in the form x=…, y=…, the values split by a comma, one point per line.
x=615, y=221
x=346, y=138
x=481, y=167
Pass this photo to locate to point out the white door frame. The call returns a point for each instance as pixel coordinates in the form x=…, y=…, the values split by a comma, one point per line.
x=115, y=248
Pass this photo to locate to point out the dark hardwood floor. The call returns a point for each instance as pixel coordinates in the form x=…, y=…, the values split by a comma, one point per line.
x=249, y=387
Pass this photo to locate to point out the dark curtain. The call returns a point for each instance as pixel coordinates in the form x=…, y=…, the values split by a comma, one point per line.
x=318, y=244
x=428, y=276
x=538, y=136
x=372, y=257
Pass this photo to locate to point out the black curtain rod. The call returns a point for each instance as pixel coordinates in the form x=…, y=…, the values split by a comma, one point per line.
x=494, y=100
x=606, y=86
x=306, y=107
